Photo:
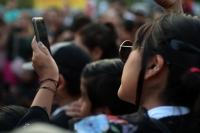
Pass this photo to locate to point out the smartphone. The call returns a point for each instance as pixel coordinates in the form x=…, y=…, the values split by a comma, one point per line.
x=40, y=31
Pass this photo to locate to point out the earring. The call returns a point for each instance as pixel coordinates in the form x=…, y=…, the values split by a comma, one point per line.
x=150, y=71
x=156, y=69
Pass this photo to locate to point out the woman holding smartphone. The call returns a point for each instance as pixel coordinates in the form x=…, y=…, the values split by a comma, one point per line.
x=161, y=76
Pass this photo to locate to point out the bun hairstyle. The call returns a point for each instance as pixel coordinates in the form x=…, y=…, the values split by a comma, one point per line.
x=176, y=38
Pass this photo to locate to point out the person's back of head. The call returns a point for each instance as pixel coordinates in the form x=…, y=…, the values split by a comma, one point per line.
x=10, y=117
x=71, y=60
x=129, y=29
x=80, y=20
x=102, y=80
x=100, y=36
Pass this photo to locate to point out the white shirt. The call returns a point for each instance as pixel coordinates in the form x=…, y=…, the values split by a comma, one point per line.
x=58, y=110
x=166, y=111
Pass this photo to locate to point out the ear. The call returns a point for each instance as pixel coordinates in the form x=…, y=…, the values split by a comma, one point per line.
x=62, y=82
x=104, y=110
x=96, y=53
x=156, y=63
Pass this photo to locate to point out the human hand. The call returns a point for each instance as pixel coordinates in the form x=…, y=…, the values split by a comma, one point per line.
x=43, y=62
x=171, y=6
x=74, y=110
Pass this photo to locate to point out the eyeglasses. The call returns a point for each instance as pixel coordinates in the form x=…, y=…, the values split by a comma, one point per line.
x=124, y=50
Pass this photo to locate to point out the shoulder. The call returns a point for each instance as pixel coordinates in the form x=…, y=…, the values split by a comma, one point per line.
x=114, y=124
x=103, y=124
x=34, y=114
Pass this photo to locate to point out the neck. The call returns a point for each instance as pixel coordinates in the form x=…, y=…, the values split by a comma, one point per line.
x=24, y=33
x=151, y=102
x=151, y=94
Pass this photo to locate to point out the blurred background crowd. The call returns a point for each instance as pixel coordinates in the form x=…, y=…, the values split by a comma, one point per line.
x=66, y=20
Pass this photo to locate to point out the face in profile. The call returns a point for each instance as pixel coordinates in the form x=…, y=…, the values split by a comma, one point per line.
x=84, y=100
x=127, y=91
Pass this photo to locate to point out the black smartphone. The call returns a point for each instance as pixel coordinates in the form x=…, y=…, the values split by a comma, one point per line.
x=40, y=31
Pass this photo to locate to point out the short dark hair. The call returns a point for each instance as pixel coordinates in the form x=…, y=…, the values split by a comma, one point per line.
x=129, y=25
x=102, y=35
x=80, y=20
x=71, y=60
x=10, y=116
x=103, y=79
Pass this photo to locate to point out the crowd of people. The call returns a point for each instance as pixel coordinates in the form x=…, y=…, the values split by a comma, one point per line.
x=130, y=70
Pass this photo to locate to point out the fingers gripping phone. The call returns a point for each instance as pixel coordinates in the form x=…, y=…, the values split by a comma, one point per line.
x=40, y=31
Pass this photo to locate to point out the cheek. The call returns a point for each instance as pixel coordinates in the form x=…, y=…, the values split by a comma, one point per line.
x=127, y=91
x=85, y=109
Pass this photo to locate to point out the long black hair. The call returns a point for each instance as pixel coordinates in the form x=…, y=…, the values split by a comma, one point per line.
x=176, y=38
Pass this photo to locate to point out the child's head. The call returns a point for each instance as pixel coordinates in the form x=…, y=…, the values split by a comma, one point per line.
x=99, y=85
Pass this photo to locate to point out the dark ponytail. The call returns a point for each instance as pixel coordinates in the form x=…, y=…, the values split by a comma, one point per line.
x=191, y=91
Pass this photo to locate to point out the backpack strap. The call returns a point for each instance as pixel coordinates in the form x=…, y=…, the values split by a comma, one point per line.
x=160, y=125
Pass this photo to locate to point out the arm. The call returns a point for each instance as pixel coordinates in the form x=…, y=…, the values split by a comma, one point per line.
x=46, y=68
x=171, y=6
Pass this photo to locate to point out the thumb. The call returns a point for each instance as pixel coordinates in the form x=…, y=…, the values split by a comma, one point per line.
x=43, y=48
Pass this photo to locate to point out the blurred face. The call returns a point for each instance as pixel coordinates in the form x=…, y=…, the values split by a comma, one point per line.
x=11, y=5
x=78, y=42
x=23, y=22
x=4, y=35
x=124, y=35
x=86, y=104
x=127, y=91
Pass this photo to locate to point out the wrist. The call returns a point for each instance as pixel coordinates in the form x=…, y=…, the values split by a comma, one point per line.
x=56, y=78
x=51, y=85
x=48, y=83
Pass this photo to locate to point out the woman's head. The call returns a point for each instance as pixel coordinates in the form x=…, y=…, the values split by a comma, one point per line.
x=10, y=117
x=99, y=41
x=100, y=83
x=165, y=50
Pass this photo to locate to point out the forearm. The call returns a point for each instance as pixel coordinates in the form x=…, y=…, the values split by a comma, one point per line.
x=44, y=97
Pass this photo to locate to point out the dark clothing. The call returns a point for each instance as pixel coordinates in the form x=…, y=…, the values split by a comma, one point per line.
x=134, y=123
x=177, y=124
x=35, y=114
x=19, y=47
x=61, y=120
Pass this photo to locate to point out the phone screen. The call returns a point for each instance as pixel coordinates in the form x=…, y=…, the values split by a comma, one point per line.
x=41, y=32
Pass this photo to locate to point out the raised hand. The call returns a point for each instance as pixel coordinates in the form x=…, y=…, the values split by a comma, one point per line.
x=43, y=63
x=171, y=6
x=74, y=110
x=46, y=68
